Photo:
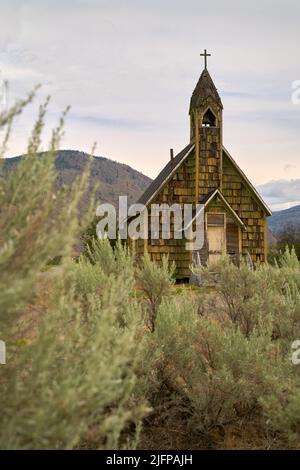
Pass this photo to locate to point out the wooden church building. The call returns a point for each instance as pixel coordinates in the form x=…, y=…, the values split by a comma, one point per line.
x=205, y=173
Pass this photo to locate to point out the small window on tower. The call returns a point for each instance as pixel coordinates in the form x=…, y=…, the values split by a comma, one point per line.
x=209, y=119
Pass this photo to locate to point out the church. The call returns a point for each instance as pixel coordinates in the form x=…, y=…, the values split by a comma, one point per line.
x=204, y=172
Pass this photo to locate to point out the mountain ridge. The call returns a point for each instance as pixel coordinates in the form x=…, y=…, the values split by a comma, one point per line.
x=280, y=219
x=113, y=178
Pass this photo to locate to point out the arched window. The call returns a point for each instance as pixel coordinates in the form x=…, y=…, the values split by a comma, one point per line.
x=209, y=119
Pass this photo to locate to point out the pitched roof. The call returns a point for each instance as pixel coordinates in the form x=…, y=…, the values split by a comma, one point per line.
x=257, y=195
x=173, y=165
x=165, y=175
x=205, y=88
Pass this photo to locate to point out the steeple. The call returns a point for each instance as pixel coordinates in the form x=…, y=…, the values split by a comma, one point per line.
x=206, y=133
x=205, y=106
x=205, y=89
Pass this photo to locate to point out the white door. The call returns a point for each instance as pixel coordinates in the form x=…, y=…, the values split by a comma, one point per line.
x=216, y=243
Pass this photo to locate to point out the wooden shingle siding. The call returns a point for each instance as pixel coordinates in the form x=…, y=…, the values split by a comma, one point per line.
x=179, y=189
x=245, y=204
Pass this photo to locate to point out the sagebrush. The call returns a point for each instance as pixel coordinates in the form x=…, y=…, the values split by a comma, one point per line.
x=102, y=352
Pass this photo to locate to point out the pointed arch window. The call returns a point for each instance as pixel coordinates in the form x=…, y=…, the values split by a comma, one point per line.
x=209, y=119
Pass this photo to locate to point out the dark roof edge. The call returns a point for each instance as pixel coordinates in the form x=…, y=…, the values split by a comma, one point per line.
x=164, y=176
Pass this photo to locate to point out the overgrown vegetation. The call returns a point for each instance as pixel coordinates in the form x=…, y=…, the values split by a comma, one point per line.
x=289, y=236
x=69, y=376
x=104, y=352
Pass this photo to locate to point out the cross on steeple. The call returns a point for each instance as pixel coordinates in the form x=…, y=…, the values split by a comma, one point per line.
x=205, y=55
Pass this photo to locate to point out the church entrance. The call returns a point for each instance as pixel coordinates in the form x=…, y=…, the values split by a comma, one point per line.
x=216, y=236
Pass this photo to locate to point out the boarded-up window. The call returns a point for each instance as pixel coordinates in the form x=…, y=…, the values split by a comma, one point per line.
x=215, y=219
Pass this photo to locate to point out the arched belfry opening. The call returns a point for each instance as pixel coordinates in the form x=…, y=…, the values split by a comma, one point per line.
x=209, y=119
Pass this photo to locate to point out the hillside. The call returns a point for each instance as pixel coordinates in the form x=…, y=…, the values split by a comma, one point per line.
x=109, y=177
x=113, y=179
x=282, y=218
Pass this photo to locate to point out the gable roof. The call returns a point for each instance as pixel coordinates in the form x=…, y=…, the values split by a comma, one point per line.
x=257, y=195
x=217, y=193
x=165, y=175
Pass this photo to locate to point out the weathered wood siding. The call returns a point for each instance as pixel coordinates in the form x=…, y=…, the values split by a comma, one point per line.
x=209, y=160
x=243, y=201
x=180, y=189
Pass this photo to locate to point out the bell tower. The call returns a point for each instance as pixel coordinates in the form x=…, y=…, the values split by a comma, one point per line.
x=206, y=132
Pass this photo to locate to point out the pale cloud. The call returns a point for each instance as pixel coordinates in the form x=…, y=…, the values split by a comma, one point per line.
x=289, y=168
x=281, y=194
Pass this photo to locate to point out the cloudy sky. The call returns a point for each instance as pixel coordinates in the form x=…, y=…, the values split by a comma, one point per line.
x=128, y=68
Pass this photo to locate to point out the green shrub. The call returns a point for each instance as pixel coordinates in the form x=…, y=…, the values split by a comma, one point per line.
x=155, y=283
x=69, y=380
x=77, y=378
x=230, y=366
x=221, y=373
x=33, y=219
